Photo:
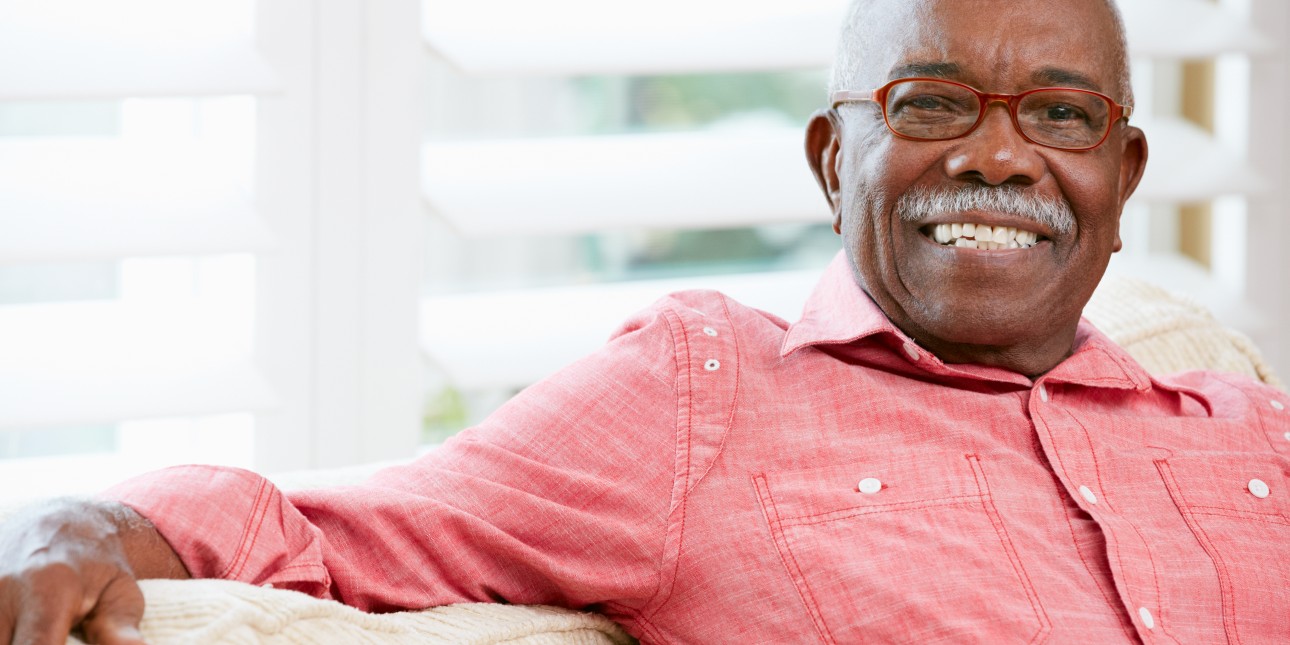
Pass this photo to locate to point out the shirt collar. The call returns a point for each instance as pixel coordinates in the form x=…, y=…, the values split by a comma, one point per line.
x=839, y=312
x=1099, y=362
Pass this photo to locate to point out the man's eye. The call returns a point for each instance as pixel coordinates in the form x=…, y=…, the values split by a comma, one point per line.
x=927, y=102
x=1059, y=113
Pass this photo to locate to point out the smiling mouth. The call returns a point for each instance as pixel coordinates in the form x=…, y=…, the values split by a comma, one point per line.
x=980, y=236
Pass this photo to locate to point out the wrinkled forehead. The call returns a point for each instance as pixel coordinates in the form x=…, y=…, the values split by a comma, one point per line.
x=995, y=45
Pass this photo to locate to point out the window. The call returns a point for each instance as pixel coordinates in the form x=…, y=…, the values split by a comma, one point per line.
x=127, y=268
x=297, y=234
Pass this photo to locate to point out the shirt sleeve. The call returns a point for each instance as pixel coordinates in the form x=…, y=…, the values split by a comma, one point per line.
x=560, y=497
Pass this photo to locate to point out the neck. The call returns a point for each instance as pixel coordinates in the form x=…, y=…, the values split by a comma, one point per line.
x=1030, y=357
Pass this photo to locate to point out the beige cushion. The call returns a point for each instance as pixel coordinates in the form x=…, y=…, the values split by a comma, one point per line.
x=1169, y=333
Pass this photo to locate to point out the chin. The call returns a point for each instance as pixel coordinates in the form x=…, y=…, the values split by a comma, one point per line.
x=987, y=326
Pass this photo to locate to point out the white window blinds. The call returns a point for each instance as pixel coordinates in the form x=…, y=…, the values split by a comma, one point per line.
x=159, y=201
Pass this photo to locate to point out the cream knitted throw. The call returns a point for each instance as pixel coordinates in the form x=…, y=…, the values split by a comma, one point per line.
x=192, y=612
x=1162, y=331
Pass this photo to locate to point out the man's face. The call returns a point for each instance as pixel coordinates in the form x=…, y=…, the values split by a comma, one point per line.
x=1012, y=308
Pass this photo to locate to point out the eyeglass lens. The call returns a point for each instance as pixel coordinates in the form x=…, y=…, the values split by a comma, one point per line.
x=1056, y=117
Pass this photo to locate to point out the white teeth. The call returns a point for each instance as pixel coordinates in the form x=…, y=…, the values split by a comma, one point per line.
x=980, y=236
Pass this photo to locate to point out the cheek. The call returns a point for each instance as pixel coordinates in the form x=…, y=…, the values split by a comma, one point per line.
x=860, y=237
x=1093, y=194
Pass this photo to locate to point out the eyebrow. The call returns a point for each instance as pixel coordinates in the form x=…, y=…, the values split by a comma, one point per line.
x=1054, y=76
x=932, y=70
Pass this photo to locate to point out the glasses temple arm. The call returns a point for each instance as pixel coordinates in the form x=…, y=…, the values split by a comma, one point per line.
x=851, y=96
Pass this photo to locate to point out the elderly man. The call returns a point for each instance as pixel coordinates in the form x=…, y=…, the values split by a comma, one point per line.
x=939, y=450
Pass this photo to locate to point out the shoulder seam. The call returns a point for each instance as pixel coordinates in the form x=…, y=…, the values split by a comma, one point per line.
x=666, y=577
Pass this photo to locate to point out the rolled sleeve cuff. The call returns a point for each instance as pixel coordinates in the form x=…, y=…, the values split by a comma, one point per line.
x=232, y=524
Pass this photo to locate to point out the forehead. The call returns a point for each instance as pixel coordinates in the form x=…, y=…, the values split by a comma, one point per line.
x=997, y=45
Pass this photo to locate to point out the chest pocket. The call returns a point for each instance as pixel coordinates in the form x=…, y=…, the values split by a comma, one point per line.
x=1238, y=507
x=907, y=550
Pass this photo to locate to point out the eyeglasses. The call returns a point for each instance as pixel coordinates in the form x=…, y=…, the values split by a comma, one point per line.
x=933, y=109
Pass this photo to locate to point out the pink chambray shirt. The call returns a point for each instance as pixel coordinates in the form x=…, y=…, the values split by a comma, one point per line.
x=716, y=475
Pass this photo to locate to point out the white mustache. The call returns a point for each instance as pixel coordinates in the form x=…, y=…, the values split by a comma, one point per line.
x=921, y=203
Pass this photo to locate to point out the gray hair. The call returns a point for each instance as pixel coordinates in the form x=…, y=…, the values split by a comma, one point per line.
x=847, y=61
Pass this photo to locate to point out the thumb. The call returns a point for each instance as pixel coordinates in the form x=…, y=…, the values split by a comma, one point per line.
x=115, y=619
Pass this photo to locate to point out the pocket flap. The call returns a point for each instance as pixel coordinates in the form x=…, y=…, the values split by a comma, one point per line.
x=1223, y=482
x=898, y=481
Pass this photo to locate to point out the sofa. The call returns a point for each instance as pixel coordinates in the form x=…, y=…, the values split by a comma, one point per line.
x=1163, y=331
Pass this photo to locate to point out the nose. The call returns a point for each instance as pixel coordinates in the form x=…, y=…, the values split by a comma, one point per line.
x=996, y=153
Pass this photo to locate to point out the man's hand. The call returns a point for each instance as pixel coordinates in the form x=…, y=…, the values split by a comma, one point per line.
x=72, y=565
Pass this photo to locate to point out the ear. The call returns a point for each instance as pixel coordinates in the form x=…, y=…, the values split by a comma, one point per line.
x=822, y=145
x=1133, y=161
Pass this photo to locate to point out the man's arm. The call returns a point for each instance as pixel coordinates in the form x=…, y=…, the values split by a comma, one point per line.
x=562, y=497
x=73, y=563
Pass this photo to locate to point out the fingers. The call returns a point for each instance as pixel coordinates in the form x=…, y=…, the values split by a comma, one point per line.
x=45, y=614
x=66, y=567
x=115, y=619
x=108, y=631
x=45, y=619
x=33, y=629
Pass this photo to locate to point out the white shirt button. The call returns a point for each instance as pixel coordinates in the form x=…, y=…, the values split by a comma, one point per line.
x=1148, y=620
x=1278, y=406
x=1288, y=436
x=712, y=365
x=912, y=352
x=709, y=331
x=1087, y=494
x=1259, y=488
x=870, y=485
x=1043, y=392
